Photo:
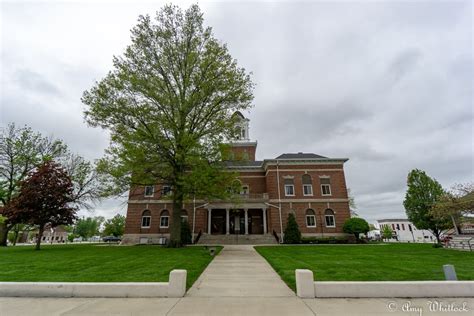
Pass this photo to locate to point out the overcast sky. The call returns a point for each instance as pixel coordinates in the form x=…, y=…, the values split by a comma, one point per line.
x=387, y=84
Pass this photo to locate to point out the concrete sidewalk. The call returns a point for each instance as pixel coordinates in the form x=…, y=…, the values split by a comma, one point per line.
x=237, y=282
x=239, y=271
x=228, y=306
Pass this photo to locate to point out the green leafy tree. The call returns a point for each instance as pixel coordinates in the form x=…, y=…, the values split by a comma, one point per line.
x=356, y=226
x=387, y=232
x=457, y=204
x=168, y=105
x=88, y=227
x=115, y=226
x=292, y=234
x=185, y=233
x=45, y=197
x=422, y=194
x=21, y=151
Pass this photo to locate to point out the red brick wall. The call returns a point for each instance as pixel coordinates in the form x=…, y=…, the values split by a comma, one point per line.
x=338, y=184
x=341, y=214
x=240, y=150
x=255, y=181
x=260, y=182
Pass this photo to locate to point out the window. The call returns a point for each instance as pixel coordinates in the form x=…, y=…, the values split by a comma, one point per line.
x=184, y=216
x=307, y=185
x=149, y=190
x=244, y=190
x=165, y=219
x=403, y=226
x=409, y=227
x=166, y=190
x=398, y=226
x=393, y=226
x=329, y=217
x=146, y=219
x=325, y=186
x=289, y=187
x=310, y=218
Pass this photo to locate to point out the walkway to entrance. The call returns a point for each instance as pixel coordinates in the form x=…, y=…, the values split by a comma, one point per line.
x=239, y=271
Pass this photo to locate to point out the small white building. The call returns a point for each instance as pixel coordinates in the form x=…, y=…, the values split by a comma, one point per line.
x=405, y=231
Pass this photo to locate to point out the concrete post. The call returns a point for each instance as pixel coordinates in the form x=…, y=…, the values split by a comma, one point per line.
x=177, y=283
x=246, y=222
x=264, y=213
x=449, y=272
x=227, y=221
x=305, y=283
x=209, y=221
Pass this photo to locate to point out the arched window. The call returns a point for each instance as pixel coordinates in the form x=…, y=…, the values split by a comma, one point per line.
x=329, y=217
x=289, y=187
x=164, y=219
x=146, y=219
x=310, y=218
x=325, y=185
x=307, y=185
x=184, y=216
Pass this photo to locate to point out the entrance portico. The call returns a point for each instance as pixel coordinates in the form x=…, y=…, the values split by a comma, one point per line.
x=226, y=219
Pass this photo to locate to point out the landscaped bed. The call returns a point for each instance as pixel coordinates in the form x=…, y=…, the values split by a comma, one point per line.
x=100, y=263
x=381, y=262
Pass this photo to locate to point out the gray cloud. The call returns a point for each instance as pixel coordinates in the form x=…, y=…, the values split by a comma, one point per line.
x=386, y=84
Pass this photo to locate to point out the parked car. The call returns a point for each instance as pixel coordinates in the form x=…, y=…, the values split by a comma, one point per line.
x=111, y=239
x=94, y=238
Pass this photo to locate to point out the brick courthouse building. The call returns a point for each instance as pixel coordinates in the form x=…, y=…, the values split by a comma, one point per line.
x=310, y=186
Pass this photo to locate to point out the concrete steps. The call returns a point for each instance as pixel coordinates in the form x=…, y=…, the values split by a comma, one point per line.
x=236, y=239
x=461, y=242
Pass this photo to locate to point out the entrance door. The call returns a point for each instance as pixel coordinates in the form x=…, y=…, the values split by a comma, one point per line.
x=218, y=222
x=255, y=222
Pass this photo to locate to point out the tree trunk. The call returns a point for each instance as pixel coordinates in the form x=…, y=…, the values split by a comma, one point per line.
x=175, y=232
x=15, y=236
x=40, y=236
x=437, y=233
x=3, y=234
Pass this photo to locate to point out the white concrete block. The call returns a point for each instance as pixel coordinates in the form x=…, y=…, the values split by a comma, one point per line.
x=395, y=289
x=304, y=283
x=83, y=289
x=177, y=283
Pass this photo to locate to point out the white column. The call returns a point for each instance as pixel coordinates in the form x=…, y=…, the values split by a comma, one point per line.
x=264, y=213
x=227, y=223
x=246, y=222
x=209, y=221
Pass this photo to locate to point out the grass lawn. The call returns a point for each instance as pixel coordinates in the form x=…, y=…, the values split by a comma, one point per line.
x=383, y=262
x=100, y=263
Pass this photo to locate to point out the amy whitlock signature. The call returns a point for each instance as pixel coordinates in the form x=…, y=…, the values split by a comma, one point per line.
x=432, y=306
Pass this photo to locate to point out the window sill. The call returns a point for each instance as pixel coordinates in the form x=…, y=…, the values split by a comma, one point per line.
x=164, y=226
x=145, y=227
